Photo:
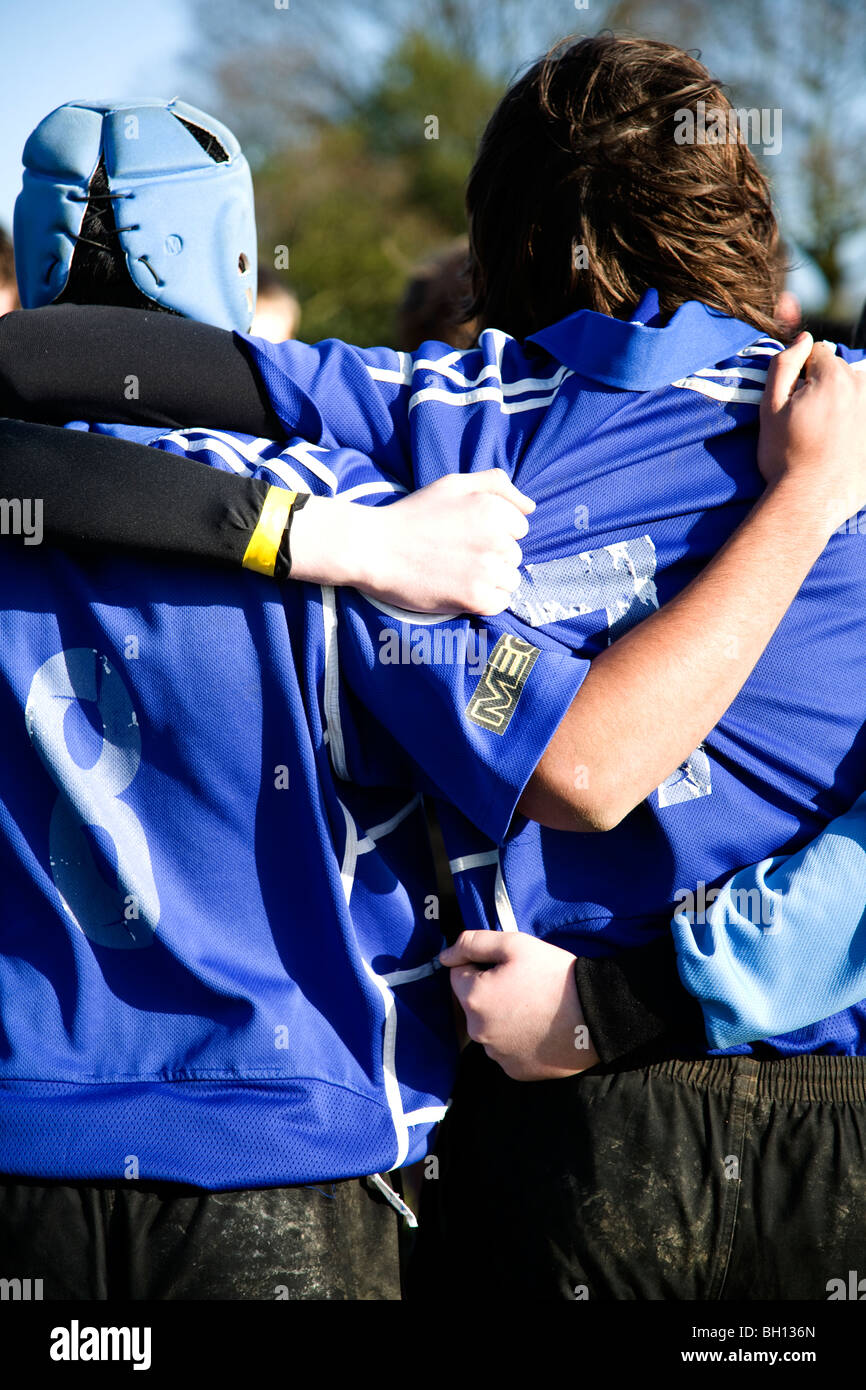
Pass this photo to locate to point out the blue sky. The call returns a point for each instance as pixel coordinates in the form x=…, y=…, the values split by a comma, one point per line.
x=58, y=50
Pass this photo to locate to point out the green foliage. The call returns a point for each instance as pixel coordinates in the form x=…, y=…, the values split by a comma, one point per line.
x=429, y=110
x=362, y=201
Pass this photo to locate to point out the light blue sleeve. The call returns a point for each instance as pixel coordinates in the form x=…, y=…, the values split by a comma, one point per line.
x=784, y=943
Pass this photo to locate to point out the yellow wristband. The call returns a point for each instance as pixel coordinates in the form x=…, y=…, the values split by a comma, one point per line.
x=261, y=553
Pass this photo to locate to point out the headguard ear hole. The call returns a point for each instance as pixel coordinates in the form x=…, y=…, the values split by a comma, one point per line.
x=243, y=263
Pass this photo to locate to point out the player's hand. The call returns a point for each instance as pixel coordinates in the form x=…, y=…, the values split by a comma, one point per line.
x=813, y=431
x=520, y=999
x=451, y=547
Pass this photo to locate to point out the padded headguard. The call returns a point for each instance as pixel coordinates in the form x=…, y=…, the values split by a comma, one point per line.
x=182, y=197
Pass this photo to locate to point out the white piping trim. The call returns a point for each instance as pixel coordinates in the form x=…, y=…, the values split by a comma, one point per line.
x=302, y=454
x=428, y=1114
x=718, y=392
x=370, y=489
x=504, y=910
x=444, y=366
x=385, y=828
x=747, y=373
x=281, y=470
x=212, y=446
x=336, y=745
x=251, y=451
x=473, y=861
x=389, y=1031
x=759, y=348
x=483, y=393
x=407, y=977
x=403, y=374
x=392, y=1198
x=389, y=1064
x=350, y=855
x=405, y=615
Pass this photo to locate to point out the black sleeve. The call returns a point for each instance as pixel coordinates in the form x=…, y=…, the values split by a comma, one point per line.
x=99, y=491
x=635, y=1002
x=129, y=367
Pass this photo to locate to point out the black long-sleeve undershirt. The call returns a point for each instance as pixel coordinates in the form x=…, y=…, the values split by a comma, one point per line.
x=97, y=491
x=129, y=367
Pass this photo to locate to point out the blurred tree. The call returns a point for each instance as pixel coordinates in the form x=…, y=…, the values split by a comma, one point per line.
x=332, y=104
x=361, y=129
x=809, y=61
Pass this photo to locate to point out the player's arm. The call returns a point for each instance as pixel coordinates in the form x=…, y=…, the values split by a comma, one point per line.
x=653, y=696
x=93, y=362
x=452, y=545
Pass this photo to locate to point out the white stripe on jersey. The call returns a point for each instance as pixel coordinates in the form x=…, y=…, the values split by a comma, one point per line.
x=212, y=446
x=504, y=910
x=473, y=861
x=336, y=745
x=304, y=454
x=428, y=1114
x=473, y=391
x=717, y=392
x=369, y=490
x=746, y=373
x=483, y=393
x=378, y=831
x=703, y=380
x=251, y=450
x=287, y=475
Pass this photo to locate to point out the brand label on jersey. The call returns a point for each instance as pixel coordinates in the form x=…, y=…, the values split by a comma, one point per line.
x=505, y=675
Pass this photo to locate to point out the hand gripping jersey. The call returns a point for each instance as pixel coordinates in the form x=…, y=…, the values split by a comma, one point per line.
x=216, y=959
x=637, y=442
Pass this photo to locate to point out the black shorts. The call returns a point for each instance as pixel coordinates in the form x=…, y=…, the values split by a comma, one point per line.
x=727, y=1178
x=139, y=1240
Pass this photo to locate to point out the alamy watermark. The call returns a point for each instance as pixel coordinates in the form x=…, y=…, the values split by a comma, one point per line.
x=22, y=516
x=729, y=125
x=434, y=646
x=761, y=909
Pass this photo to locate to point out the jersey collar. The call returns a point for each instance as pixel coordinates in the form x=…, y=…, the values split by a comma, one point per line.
x=644, y=354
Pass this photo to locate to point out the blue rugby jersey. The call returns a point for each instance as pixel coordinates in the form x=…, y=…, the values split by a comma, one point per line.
x=216, y=958
x=638, y=443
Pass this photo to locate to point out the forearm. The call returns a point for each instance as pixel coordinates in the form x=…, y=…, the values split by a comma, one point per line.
x=129, y=366
x=653, y=696
x=95, y=491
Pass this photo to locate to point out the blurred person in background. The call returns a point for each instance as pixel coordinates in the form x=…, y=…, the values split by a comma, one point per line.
x=433, y=307
x=8, y=285
x=278, y=312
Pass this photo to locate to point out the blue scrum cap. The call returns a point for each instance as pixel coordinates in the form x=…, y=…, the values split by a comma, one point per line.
x=182, y=197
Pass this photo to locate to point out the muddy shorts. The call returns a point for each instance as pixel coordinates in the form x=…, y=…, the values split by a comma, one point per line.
x=139, y=1240
x=724, y=1178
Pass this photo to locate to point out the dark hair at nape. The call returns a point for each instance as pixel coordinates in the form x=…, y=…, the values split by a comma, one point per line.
x=98, y=273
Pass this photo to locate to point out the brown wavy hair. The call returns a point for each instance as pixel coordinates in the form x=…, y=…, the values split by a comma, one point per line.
x=580, y=153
